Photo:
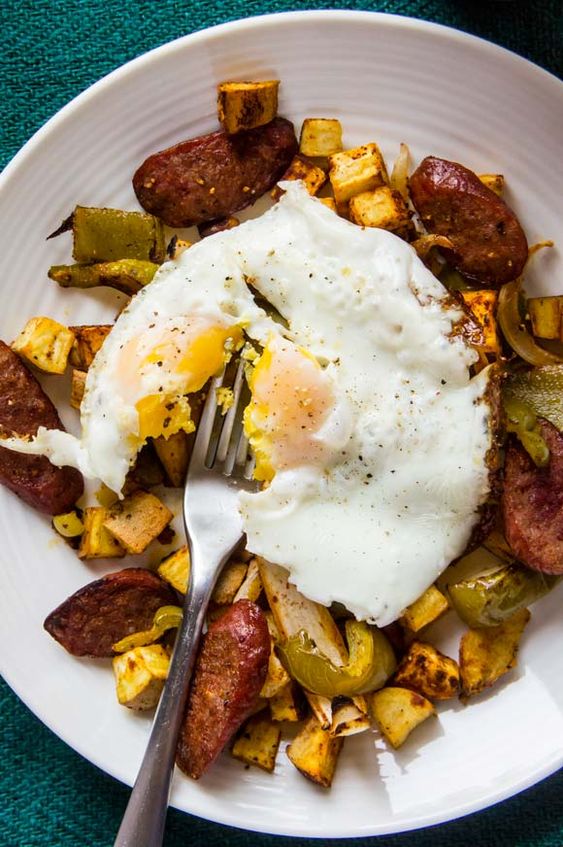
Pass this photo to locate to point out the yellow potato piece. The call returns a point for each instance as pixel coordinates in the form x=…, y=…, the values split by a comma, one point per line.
x=487, y=654
x=398, y=711
x=46, y=344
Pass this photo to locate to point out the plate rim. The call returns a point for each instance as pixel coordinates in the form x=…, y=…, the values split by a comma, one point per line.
x=18, y=161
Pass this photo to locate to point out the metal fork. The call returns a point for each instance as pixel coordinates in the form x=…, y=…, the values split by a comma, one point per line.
x=218, y=471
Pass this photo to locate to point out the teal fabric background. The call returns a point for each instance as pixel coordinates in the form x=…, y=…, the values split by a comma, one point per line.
x=52, y=50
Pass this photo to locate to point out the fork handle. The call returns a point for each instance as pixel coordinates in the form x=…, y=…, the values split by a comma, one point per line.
x=145, y=816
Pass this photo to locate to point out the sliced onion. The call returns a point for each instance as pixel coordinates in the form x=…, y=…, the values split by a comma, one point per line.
x=515, y=331
x=425, y=243
x=399, y=179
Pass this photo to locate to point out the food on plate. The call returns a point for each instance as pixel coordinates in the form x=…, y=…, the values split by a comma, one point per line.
x=532, y=503
x=246, y=105
x=228, y=676
x=24, y=407
x=95, y=617
x=489, y=245
x=382, y=389
x=46, y=344
x=488, y=653
x=546, y=316
x=216, y=175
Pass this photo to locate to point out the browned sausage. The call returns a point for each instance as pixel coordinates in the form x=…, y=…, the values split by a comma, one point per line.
x=229, y=674
x=532, y=503
x=92, y=619
x=212, y=176
x=489, y=244
x=24, y=407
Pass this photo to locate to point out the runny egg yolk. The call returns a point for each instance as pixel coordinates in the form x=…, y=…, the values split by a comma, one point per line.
x=291, y=400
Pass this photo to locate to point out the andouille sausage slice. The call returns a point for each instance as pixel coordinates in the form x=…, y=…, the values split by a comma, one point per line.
x=92, y=619
x=24, y=407
x=489, y=245
x=213, y=176
x=229, y=674
x=532, y=503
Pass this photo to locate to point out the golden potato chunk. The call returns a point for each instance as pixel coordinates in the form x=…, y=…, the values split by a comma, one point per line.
x=46, y=344
x=493, y=181
x=140, y=675
x=546, y=315
x=137, y=520
x=175, y=569
x=483, y=306
x=96, y=541
x=382, y=207
x=257, y=743
x=229, y=582
x=486, y=654
x=315, y=753
x=174, y=455
x=428, y=608
x=87, y=342
x=320, y=137
x=311, y=175
x=428, y=672
x=245, y=105
x=397, y=711
x=355, y=171
x=77, y=385
x=287, y=704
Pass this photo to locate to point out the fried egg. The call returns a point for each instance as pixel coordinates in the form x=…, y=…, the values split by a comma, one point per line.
x=369, y=434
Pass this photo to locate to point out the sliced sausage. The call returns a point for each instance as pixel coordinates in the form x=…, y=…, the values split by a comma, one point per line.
x=212, y=176
x=24, y=407
x=532, y=503
x=229, y=674
x=90, y=621
x=489, y=244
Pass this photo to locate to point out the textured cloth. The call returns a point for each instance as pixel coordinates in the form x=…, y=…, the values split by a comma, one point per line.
x=53, y=49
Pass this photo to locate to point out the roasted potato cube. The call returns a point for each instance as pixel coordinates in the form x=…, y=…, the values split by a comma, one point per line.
x=46, y=344
x=486, y=654
x=320, y=137
x=429, y=607
x=137, y=520
x=175, y=569
x=315, y=753
x=355, y=171
x=87, y=342
x=245, y=105
x=77, y=385
x=347, y=719
x=312, y=176
x=251, y=588
x=428, y=672
x=257, y=742
x=229, y=582
x=381, y=207
x=140, y=675
x=287, y=704
x=398, y=711
x=546, y=315
x=493, y=181
x=174, y=454
x=69, y=525
x=483, y=306
x=96, y=541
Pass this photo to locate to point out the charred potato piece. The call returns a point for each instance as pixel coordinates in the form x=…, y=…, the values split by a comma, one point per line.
x=428, y=672
x=311, y=175
x=382, y=207
x=486, y=654
x=320, y=137
x=287, y=704
x=257, y=743
x=398, y=711
x=46, y=344
x=357, y=170
x=246, y=105
x=137, y=520
x=315, y=753
x=87, y=342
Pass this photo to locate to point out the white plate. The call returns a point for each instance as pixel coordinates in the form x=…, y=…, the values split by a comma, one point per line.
x=388, y=79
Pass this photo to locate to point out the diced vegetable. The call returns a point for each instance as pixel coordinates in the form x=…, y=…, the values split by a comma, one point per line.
x=515, y=330
x=69, y=525
x=541, y=389
x=175, y=569
x=287, y=704
x=96, y=541
x=174, y=453
x=77, y=385
x=137, y=520
x=371, y=662
x=429, y=607
x=491, y=598
x=165, y=618
x=140, y=675
x=87, y=342
x=257, y=743
x=125, y=275
x=246, y=105
x=493, y=181
x=107, y=235
x=320, y=137
x=546, y=315
x=355, y=171
x=228, y=583
x=428, y=672
x=522, y=421
x=46, y=344
x=398, y=711
x=312, y=176
x=486, y=654
x=381, y=207
x=483, y=307
x=315, y=753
